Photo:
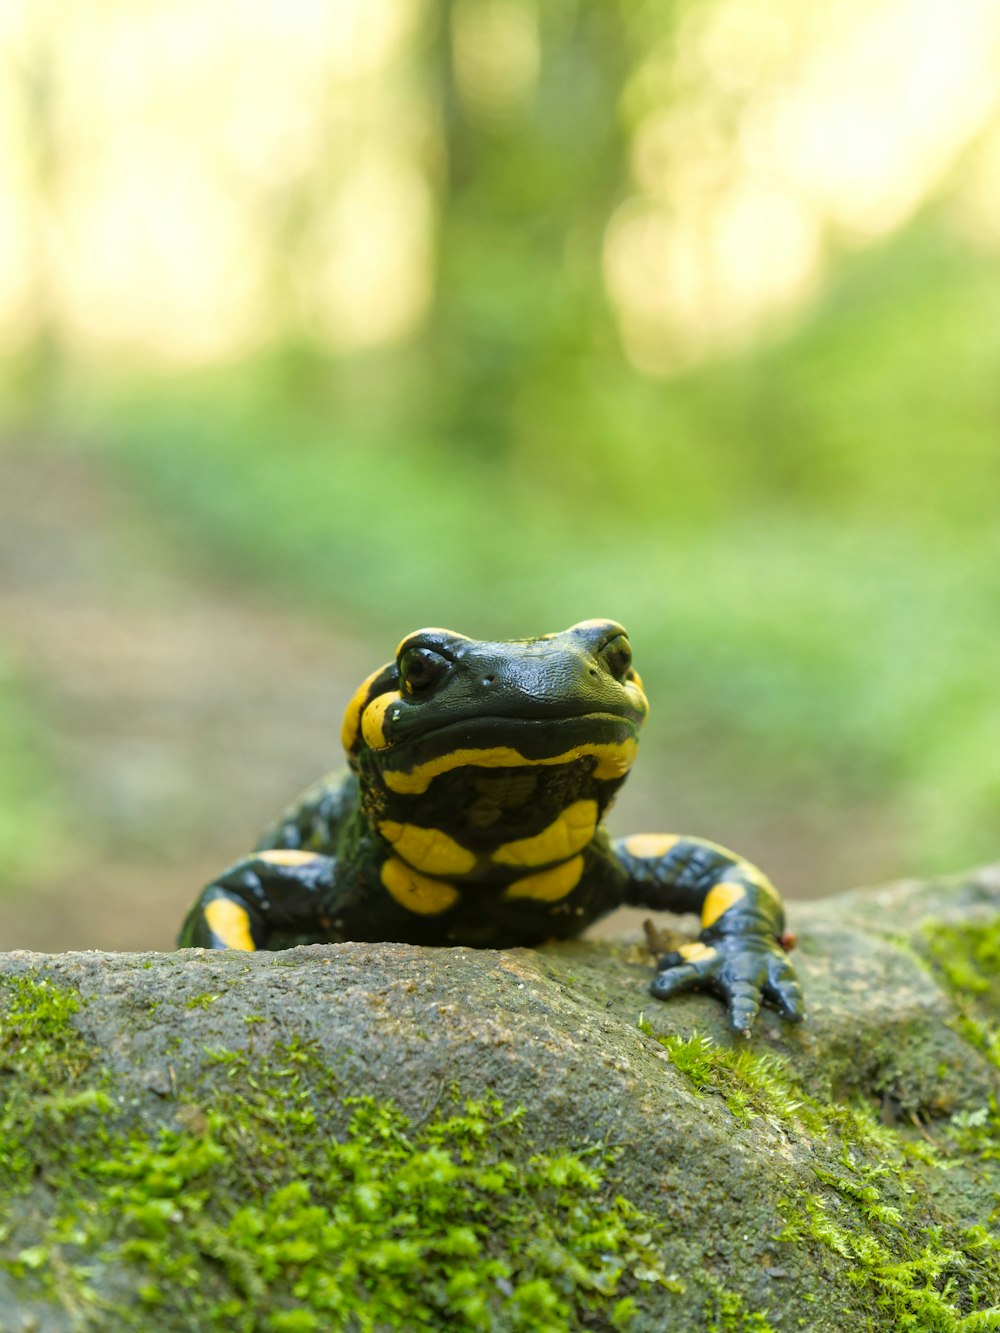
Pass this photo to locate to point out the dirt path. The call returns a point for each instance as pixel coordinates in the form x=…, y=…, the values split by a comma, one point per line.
x=182, y=712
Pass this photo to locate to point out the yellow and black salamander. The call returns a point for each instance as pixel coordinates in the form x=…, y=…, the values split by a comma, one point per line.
x=471, y=815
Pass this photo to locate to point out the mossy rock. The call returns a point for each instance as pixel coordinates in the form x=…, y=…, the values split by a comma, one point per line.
x=381, y=1136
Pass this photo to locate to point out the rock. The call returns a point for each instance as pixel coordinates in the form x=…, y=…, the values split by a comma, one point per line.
x=538, y=1144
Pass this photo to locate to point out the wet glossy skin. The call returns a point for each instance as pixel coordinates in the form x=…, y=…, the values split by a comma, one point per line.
x=480, y=773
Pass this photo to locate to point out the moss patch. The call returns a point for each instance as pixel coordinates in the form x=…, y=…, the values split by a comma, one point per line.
x=966, y=959
x=967, y=956
x=870, y=1205
x=360, y=1218
x=42, y=1062
x=752, y=1083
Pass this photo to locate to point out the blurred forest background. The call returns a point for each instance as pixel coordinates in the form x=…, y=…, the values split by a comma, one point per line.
x=325, y=319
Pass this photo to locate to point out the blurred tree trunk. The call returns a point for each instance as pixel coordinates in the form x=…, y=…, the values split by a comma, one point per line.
x=35, y=78
x=519, y=298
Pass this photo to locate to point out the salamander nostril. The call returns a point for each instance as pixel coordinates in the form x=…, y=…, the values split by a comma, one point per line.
x=594, y=671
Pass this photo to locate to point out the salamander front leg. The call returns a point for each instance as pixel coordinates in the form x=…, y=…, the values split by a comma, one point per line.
x=739, y=954
x=267, y=891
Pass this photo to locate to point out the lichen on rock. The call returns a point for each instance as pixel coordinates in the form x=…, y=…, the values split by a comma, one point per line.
x=382, y=1136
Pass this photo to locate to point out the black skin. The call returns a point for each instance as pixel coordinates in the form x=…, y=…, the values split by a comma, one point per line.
x=471, y=816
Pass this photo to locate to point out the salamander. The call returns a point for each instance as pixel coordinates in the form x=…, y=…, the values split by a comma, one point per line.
x=471, y=814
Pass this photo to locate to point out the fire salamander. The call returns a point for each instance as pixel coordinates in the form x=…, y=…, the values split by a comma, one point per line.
x=480, y=773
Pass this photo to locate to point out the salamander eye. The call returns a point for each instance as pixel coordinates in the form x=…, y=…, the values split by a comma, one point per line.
x=617, y=656
x=420, y=668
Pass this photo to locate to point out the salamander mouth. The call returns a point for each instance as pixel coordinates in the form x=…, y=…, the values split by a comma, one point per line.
x=536, y=734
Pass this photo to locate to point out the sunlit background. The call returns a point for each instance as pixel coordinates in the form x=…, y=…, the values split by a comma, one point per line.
x=326, y=319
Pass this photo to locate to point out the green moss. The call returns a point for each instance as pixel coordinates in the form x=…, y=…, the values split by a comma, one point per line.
x=915, y=1281
x=270, y=1201
x=727, y=1312
x=42, y=1059
x=757, y=1085
x=267, y=1199
x=872, y=1209
x=752, y=1083
x=966, y=960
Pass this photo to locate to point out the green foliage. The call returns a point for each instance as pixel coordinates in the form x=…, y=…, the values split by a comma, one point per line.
x=32, y=806
x=800, y=533
x=791, y=578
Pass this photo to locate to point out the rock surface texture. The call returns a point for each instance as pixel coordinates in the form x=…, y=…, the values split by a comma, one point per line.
x=368, y=1136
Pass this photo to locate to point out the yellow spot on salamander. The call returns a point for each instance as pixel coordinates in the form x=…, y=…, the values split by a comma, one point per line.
x=614, y=759
x=417, y=892
x=564, y=837
x=719, y=900
x=427, y=848
x=287, y=856
x=548, y=886
x=373, y=719
x=350, y=731
x=230, y=923
x=696, y=952
x=651, y=846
